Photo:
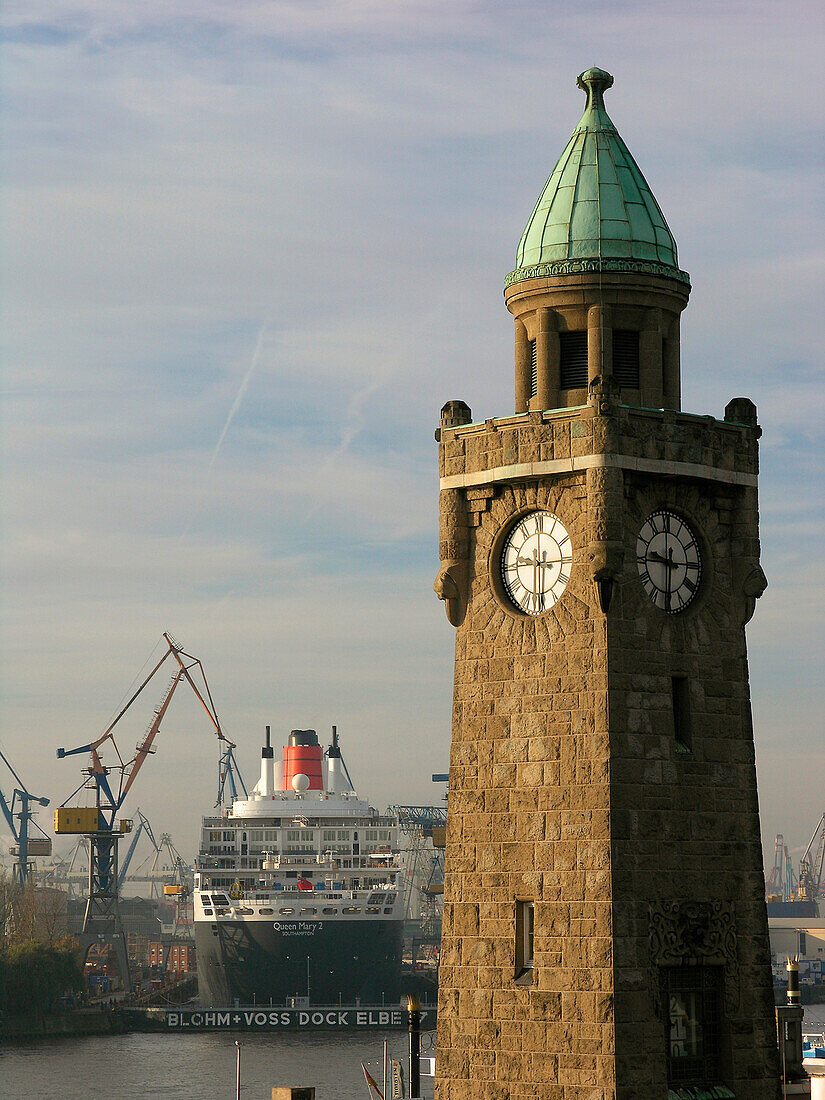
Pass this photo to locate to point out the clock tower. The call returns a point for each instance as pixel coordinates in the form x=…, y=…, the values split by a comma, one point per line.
x=605, y=932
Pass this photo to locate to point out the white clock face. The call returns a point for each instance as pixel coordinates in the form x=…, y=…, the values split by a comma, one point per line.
x=536, y=561
x=669, y=561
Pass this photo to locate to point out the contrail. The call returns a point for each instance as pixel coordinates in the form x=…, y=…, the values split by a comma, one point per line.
x=236, y=404
x=355, y=419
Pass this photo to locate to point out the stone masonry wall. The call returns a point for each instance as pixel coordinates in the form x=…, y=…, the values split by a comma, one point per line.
x=566, y=786
x=529, y=819
x=686, y=824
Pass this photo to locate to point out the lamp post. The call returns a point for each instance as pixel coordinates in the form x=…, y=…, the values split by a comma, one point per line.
x=238, y=1072
x=414, y=1011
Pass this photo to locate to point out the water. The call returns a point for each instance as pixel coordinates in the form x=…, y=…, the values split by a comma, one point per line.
x=194, y=1066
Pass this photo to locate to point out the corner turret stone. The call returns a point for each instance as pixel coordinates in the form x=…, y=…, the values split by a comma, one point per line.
x=454, y=413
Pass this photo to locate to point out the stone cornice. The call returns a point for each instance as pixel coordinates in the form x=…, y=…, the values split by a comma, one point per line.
x=522, y=471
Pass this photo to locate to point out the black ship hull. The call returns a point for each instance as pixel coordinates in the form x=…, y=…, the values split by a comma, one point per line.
x=331, y=962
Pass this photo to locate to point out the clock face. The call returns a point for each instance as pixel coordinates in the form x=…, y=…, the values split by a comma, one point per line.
x=535, y=562
x=670, y=565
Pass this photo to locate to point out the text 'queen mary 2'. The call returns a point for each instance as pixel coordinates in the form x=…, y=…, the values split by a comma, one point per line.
x=298, y=889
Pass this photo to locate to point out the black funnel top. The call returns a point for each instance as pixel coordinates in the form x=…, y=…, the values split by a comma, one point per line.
x=333, y=752
x=266, y=751
x=303, y=737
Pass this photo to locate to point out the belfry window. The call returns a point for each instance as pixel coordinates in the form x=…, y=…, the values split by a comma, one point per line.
x=626, y=358
x=692, y=1006
x=534, y=370
x=573, y=360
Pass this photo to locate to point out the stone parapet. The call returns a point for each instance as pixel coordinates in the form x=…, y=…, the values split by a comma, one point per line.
x=711, y=448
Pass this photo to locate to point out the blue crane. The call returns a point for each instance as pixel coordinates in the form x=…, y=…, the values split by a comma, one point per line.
x=143, y=827
x=228, y=773
x=20, y=832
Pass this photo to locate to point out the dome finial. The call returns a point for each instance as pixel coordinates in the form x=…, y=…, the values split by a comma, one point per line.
x=596, y=208
x=595, y=82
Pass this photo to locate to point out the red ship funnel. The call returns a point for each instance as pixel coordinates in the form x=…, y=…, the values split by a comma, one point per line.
x=302, y=756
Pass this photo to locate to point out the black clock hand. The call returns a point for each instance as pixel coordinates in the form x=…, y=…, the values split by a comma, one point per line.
x=664, y=560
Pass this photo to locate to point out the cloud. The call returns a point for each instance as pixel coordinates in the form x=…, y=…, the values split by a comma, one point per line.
x=358, y=174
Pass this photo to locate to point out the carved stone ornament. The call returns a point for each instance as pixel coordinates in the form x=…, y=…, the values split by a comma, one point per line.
x=450, y=586
x=689, y=933
x=753, y=585
x=604, y=394
x=579, y=267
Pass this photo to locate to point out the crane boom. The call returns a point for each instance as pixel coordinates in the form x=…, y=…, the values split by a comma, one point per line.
x=145, y=747
x=208, y=707
x=107, y=800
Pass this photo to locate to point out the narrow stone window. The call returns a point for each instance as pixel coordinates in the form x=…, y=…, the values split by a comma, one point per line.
x=680, y=697
x=692, y=1007
x=573, y=360
x=626, y=358
x=534, y=370
x=524, y=940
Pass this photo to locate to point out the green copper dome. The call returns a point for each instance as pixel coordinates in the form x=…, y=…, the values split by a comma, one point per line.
x=596, y=212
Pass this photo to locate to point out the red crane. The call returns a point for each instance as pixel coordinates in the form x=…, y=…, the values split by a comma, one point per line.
x=102, y=916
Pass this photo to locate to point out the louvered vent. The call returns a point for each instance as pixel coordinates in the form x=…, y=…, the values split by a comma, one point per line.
x=626, y=358
x=534, y=370
x=573, y=360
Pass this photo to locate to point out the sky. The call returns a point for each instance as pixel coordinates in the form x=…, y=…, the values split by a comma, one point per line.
x=250, y=249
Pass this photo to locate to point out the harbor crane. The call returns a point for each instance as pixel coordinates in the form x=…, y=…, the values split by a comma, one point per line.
x=782, y=881
x=101, y=922
x=18, y=820
x=811, y=885
x=229, y=776
x=143, y=827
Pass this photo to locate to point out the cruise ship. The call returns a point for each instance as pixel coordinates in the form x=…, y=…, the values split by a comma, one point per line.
x=298, y=893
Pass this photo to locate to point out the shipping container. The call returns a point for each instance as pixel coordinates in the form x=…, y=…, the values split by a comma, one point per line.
x=38, y=847
x=77, y=819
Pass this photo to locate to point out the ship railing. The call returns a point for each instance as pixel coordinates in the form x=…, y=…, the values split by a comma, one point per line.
x=317, y=895
x=294, y=859
x=280, y=895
